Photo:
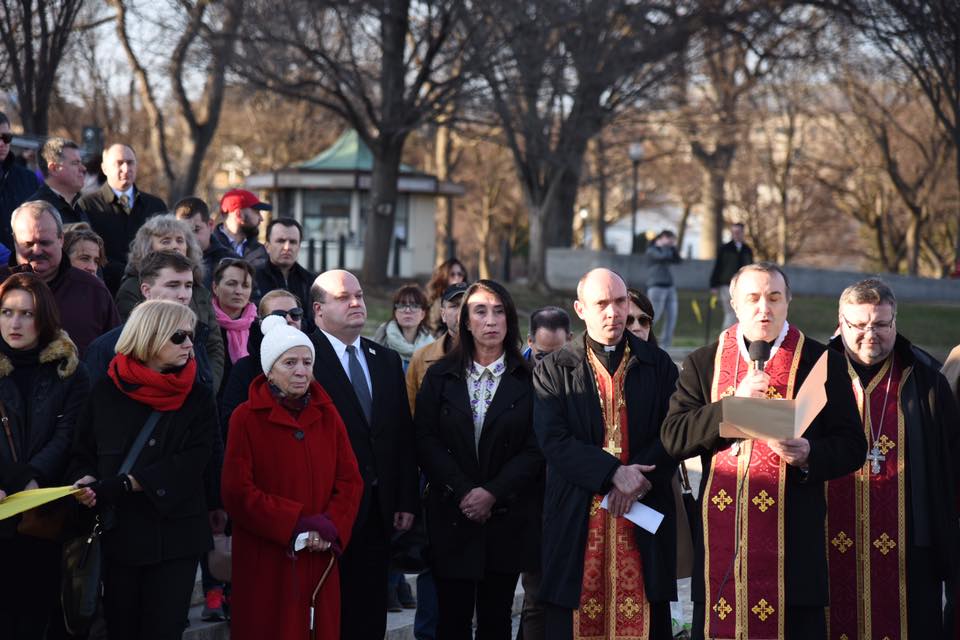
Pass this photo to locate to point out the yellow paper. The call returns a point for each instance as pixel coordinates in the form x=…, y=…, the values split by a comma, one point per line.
x=32, y=498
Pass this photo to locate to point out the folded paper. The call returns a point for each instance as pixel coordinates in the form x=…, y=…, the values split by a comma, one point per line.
x=31, y=499
x=640, y=515
x=777, y=419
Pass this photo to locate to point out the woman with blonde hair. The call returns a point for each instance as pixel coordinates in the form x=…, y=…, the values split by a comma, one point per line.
x=150, y=502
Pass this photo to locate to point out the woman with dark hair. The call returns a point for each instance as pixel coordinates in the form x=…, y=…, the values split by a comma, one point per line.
x=154, y=516
x=232, y=286
x=640, y=317
x=42, y=388
x=476, y=446
x=448, y=272
x=407, y=330
x=84, y=247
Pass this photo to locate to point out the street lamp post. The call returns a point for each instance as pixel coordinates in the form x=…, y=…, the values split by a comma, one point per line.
x=636, y=155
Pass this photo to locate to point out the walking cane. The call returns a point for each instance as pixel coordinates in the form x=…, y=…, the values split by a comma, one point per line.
x=313, y=598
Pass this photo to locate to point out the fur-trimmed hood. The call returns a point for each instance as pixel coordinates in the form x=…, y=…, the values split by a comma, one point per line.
x=60, y=349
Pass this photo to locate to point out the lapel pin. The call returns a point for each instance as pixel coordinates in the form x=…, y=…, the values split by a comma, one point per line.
x=372, y=352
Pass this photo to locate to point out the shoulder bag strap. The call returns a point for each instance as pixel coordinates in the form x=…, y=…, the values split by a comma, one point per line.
x=6, y=430
x=145, y=432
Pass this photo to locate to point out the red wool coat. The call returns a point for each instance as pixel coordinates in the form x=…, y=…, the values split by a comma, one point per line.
x=277, y=469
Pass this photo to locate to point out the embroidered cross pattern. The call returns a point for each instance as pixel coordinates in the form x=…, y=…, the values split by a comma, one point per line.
x=884, y=544
x=773, y=394
x=844, y=636
x=884, y=444
x=842, y=542
x=721, y=500
x=731, y=390
x=594, y=506
x=612, y=448
x=722, y=609
x=763, y=501
x=762, y=610
x=592, y=608
x=629, y=607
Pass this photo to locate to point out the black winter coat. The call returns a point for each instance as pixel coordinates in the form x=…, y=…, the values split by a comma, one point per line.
x=116, y=227
x=16, y=185
x=168, y=519
x=507, y=465
x=569, y=427
x=42, y=439
x=298, y=282
x=837, y=447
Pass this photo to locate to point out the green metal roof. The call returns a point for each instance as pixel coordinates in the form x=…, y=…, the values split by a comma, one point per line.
x=348, y=153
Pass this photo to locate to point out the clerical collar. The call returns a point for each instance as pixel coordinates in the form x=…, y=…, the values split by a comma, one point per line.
x=866, y=372
x=744, y=343
x=609, y=355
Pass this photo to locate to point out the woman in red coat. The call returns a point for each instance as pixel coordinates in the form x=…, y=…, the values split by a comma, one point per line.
x=289, y=469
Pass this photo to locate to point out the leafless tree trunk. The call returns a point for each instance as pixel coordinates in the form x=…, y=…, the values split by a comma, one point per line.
x=181, y=170
x=34, y=35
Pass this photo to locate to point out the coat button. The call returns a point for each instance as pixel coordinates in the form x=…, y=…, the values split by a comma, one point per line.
x=151, y=442
x=161, y=493
x=298, y=434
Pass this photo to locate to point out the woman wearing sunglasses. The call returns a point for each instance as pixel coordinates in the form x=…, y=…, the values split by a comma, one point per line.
x=407, y=330
x=232, y=285
x=154, y=517
x=640, y=316
x=236, y=387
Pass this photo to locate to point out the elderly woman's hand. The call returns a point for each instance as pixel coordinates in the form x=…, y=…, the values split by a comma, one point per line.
x=315, y=542
x=85, y=496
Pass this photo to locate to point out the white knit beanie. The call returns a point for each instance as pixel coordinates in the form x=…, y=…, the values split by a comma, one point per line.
x=279, y=337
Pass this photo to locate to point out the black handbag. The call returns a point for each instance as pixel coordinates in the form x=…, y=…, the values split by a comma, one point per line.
x=82, y=556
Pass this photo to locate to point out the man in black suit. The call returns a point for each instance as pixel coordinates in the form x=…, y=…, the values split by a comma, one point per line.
x=118, y=209
x=366, y=383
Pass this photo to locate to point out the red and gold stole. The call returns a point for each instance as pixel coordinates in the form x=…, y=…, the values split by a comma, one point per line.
x=866, y=521
x=743, y=510
x=613, y=603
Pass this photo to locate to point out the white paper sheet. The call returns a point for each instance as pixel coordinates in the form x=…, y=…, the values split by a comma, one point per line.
x=641, y=515
x=301, y=541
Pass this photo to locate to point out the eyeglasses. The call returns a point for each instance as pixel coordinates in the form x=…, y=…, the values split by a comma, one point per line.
x=295, y=314
x=645, y=321
x=863, y=327
x=180, y=336
x=6, y=137
x=407, y=306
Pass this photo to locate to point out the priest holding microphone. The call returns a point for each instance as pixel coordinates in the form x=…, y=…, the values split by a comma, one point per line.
x=760, y=568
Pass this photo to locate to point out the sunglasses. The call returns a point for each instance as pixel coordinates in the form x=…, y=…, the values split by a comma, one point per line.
x=6, y=137
x=180, y=336
x=407, y=306
x=295, y=314
x=643, y=320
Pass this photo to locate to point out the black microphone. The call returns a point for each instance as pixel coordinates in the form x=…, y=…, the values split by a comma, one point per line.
x=759, y=353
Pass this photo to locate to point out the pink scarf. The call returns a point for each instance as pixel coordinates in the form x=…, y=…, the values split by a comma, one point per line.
x=238, y=331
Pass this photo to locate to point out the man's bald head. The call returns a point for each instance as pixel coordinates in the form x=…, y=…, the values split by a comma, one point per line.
x=338, y=304
x=602, y=303
x=120, y=166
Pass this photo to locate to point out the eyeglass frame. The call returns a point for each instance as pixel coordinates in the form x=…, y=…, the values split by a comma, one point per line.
x=180, y=336
x=640, y=320
x=408, y=306
x=295, y=313
x=875, y=327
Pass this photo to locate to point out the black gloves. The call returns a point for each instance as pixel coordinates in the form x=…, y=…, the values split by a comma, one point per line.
x=110, y=490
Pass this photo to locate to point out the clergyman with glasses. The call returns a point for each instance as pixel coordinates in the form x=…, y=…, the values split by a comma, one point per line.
x=892, y=524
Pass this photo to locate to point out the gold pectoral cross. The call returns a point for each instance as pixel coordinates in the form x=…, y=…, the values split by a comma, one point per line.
x=612, y=448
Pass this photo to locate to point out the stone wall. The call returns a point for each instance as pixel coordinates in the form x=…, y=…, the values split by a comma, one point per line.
x=566, y=266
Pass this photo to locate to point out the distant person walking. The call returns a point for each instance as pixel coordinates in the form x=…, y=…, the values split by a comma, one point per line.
x=730, y=258
x=662, y=253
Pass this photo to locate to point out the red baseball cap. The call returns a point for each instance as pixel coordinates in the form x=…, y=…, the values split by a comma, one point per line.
x=236, y=199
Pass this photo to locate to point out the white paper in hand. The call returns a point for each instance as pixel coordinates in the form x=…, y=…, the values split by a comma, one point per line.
x=301, y=541
x=640, y=515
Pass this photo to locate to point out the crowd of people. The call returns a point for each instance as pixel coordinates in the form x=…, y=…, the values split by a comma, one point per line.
x=190, y=381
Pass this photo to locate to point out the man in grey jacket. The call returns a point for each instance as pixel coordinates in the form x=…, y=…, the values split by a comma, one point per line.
x=662, y=253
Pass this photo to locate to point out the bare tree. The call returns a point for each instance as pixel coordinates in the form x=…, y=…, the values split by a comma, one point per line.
x=923, y=37
x=208, y=33
x=35, y=35
x=384, y=67
x=558, y=73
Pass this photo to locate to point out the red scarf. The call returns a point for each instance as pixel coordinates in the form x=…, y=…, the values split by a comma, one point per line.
x=161, y=391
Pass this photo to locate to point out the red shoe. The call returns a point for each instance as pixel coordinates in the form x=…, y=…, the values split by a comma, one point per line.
x=213, y=606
